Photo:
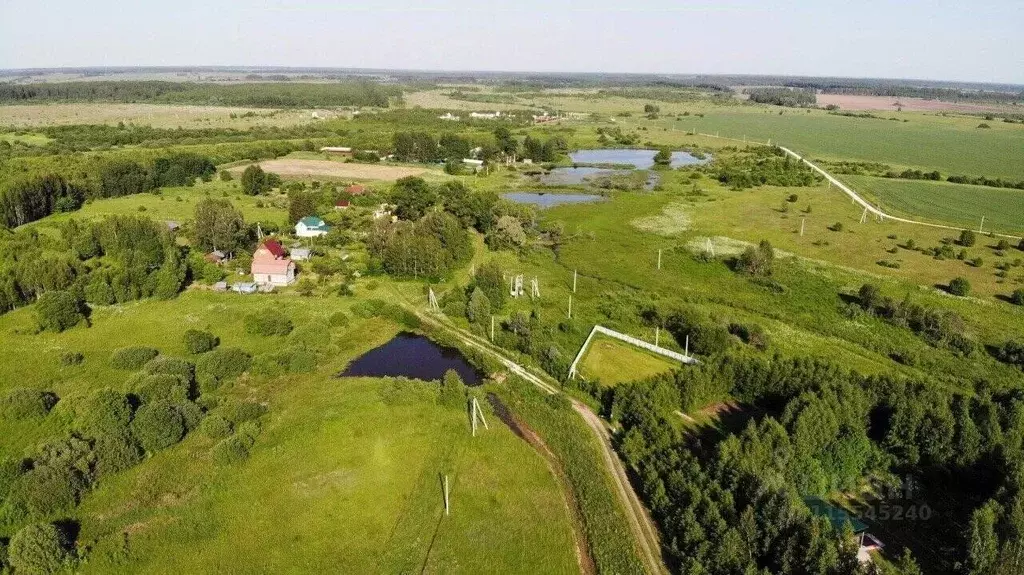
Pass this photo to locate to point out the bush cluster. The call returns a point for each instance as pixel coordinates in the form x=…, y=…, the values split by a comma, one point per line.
x=132, y=357
x=268, y=322
x=197, y=341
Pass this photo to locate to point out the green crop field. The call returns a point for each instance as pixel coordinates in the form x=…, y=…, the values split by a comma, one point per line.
x=952, y=145
x=611, y=361
x=954, y=204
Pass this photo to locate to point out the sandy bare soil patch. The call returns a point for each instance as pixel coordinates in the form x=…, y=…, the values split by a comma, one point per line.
x=330, y=169
x=854, y=102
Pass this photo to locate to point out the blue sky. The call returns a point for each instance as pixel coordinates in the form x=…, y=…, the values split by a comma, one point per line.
x=946, y=40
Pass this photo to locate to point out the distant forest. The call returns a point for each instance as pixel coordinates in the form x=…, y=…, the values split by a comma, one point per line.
x=260, y=95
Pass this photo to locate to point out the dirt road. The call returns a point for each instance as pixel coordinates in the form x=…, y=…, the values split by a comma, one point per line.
x=644, y=531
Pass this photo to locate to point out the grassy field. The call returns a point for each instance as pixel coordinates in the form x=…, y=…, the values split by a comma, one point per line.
x=156, y=115
x=28, y=139
x=954, y=204
x=611, y=361
x=358, y=489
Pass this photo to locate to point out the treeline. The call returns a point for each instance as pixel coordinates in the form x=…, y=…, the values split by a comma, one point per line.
x=883, y=171
x=88, y=136
x=761, y=166
x=790, y=97
x=948, y=94
x=734, y=505
x=33, y=198
x=259, y=95
x=116, y=260
x=425, y=147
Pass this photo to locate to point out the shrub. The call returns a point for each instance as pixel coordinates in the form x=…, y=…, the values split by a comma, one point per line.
x=339, y=319
x=1017, y=296
x=22, y=403
x=47, y=490
x=757, y=261
x=241, y=411
x=268, y=322
x=159, y=387
x=453, y=391
x=39, y=549
x=225, y=176
x=836, y=227
x=158, y=425
x=216, y=427
x=1011, y=352
x=301, y=361
x=1003, y=245
x=132, y=357
x=10, y=470
x=59, y=310
x=230, y=450
x=116, y=452
x=197, y=341
x=182, y=370
x=967, y=238
x=106, y=412
x=870, y=296
x=191, y=414
x=215, y=367
x=69, y=358
x=959, y=287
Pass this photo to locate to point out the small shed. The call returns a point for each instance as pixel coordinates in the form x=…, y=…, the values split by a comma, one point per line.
x=300, y=254
x=215, y=257
x=342, y=204
x=220, y=286
x=342, y=150
x=356, y=189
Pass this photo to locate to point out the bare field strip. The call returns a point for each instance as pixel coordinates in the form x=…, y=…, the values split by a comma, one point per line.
x=331, y=169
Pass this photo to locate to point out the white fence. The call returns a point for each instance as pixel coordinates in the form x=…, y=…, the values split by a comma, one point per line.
x=628, y=339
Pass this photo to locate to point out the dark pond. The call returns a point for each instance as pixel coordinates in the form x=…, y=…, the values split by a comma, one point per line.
x=545, y=200
x=641, y=159
x=414, y=356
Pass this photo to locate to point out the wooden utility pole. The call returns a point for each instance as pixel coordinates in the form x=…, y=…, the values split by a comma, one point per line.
x=573, y=281
x=446, y=509
x=982, y=226
x=659, y=259
x=687, y=346
x=570, y=307
x=802, y=222
x=657, y=334
x=492, y=328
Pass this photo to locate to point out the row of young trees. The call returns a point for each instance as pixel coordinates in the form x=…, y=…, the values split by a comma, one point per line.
x=426, y=148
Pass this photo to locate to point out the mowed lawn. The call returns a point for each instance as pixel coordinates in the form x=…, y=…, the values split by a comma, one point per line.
x=954, y=204
x=344, y=478
x=612, y=362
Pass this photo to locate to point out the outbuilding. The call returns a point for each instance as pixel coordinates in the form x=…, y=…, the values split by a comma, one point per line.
x=300, y=254
x=311, y=227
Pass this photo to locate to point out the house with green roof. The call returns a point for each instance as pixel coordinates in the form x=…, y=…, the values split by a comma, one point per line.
x=311, y=227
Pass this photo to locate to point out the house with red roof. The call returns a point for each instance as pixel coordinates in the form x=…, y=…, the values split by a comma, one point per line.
x=271, y=265
x=342, y=204
x=356, y=189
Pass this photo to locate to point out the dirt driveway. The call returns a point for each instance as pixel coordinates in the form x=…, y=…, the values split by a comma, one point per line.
x=286, y=167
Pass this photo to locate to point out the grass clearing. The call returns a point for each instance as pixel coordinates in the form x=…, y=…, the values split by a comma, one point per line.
x=612, y=362
x=357, y=491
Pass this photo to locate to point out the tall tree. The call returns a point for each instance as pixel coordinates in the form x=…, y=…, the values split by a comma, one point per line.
x=218, y=226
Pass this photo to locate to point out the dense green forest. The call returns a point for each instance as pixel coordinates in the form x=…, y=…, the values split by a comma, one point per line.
x=260, y=95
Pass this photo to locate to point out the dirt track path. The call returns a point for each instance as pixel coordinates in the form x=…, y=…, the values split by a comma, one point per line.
x=644, y=531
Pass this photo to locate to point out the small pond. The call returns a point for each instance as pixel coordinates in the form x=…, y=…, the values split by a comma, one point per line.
x=413, y=356
x=573, y=176
x=546, y=200
x=641, y=159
